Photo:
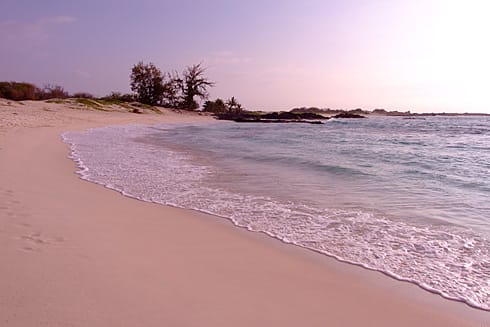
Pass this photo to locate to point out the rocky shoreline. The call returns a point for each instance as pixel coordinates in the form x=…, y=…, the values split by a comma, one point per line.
x=281, y=117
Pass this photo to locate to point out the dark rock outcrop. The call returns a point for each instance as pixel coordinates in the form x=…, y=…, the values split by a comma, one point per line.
x=292, y=115
x=348, y=115
x=272, y=117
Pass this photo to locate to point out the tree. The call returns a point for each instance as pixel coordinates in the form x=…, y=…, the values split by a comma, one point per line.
x=194, y=84
x=172, y=87
x=233, y=106
x=218, y=106
x=147, y=82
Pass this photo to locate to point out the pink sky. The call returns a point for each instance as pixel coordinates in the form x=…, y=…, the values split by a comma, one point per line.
x=406, y=55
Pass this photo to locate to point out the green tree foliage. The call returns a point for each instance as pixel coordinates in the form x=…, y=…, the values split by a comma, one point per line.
x=194, y=84
x=147, y=83
x=218, y=106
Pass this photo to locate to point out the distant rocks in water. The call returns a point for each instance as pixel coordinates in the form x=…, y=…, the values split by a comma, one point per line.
x=282, y=117
x=292, y=115
x=348, y=115
x=273, y=117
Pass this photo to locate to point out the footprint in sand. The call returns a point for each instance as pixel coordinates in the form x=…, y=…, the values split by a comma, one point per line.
x=35, y=238
x=10, y=206
x=36, y=241
x=30, y=249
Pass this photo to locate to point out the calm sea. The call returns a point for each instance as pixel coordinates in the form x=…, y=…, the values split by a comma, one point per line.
x=408, y=197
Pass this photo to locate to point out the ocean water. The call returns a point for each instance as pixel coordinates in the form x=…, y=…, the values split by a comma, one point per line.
x=407, y=197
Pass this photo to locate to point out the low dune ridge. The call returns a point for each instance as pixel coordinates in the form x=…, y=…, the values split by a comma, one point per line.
x=85, y=113
x=74, y=253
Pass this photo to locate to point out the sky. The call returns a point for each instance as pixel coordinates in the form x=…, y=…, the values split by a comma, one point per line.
x=418, y=55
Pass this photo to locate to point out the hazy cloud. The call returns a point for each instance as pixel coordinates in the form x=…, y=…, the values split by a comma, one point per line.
x=57, y=20
x=15, y=31
x=83, y=74
x=226, y=57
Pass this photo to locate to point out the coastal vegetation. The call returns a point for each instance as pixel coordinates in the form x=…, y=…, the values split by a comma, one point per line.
x=26, y=91
x=90, y=103
x=218, y=106
x=170, y=89
x=147, y=83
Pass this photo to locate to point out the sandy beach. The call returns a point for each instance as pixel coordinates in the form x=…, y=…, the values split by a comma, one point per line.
x=74, y=253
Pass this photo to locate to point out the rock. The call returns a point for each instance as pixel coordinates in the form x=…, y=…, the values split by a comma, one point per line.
x=348, y=115
x=271, y=117
x=292, y=115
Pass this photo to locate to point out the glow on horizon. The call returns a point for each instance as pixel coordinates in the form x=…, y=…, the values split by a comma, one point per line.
x=453, y=59
x=400, y=55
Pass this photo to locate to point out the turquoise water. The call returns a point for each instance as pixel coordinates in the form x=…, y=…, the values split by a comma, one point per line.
x=409, y=198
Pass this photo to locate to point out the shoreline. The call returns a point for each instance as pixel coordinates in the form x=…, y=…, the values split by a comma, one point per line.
x=82, y=172
x=122, y=261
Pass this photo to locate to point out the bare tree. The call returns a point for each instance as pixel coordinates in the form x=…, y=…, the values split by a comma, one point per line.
x=194, y=84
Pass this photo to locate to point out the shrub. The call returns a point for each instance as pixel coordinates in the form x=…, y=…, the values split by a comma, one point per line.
x=51, y=92
x=83, y=95
x=17, y=91
x=119, y=97
x=218, y=106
